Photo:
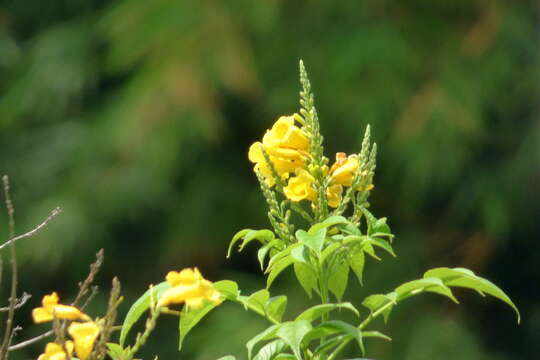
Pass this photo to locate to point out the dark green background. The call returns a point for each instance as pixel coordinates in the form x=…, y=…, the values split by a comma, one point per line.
x=135, y=117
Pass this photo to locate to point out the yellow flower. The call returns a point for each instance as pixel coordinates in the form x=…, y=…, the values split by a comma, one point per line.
x=286, y=145
x=54, y=351
x=84, y=335
x=188, y=286
x=52, y=309
x=343, y=170
x=300, y=188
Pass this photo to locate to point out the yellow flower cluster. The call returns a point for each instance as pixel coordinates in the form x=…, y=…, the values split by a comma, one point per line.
x=287, y=146
x=189, y=287
x=84, y=334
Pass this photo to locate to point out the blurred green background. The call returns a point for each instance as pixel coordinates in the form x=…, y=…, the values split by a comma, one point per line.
x=135, y=117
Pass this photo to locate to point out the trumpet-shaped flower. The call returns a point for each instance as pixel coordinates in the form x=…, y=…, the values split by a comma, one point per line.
x=300, y=187
x=189, y=287
x=84, y=335
x=51, y=309
x=343, y=170
x=54, y=351
x=286, y=145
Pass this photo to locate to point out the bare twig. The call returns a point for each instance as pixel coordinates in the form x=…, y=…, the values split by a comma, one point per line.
x=19, y=302
x=85, y=285
x=53, y=214
x=30, y=341
x=8, y=334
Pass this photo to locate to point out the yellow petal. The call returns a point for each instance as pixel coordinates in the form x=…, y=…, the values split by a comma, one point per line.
x=342, y=172
x=333, y=194
x=255, y=153
x=41, y=315
x=299, y=187
x=49, y=301
x=54, y=351
x=186, y=276
x=67, y=312
x=84, y=335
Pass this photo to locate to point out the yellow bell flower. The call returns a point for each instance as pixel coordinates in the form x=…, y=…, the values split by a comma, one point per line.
x=343, y=170
x=54, y=351
x=84, y=335
x=286, y=145
x=188, y=286
x=300, y=187
x=51, y=309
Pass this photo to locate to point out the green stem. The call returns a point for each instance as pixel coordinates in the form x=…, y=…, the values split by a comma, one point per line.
x=373, y=315
x=338, y=349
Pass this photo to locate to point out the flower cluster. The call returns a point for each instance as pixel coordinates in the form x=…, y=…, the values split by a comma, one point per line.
x=84, y=333
x=189, y=287
x=287, y=159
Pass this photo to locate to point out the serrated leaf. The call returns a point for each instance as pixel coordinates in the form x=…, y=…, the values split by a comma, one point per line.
x=379, y=301
x=376, y=334
x=431, y=284
x=275, y=307
x=328, y=222
x=317, y=311
x=357, y=261
x=460, y=277
x=338, y=278
x=139, y=307
x=278, y=268
x=188, y=319
x=267, y=334
x=314, y=241
x=293, y=333
x=268, y=351
x=306, y=277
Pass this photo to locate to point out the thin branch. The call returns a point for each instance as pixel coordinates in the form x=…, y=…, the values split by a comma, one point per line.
x=8, y=335
x=19, y=302
x=53, y=214
x=85, y=285
x=31, y=341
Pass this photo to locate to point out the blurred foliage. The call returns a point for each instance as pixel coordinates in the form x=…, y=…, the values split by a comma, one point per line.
x=135, y=117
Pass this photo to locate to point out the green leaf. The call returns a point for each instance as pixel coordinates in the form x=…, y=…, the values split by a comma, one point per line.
x=338, y=278
x=264, y=236
x=328, y=222
x=115, y=351
x=267, y=334
x=460, y=277
x=188, y=319
x=257, y=300
x=330, y=250
x=228, y=357
x=357, y=261
x=331, y=343
x=285, y=357
x=301, y=254
x=376, y=334
x=293, y=333
x=380, y=227
x=280, y=255
x=378, y=302
x=269, y=350
x=317, y=311
x=383, y=244
x=263, y=251
x=278, y=268
x=431, y=284
x=139, y=307
x=306, y=277
x=315, y=241
x=341, y=327
x=228, y=289
x=275, y=307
